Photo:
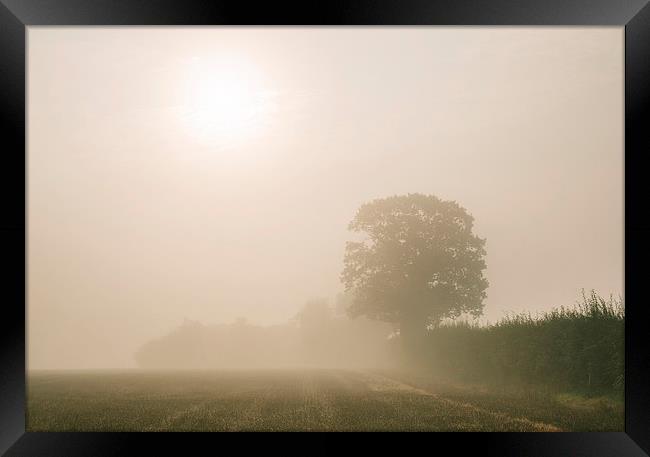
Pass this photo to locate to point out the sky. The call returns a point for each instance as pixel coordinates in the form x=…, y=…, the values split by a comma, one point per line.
x=210, y=173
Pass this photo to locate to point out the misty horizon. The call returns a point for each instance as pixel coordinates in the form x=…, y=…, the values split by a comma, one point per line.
x=211, y=174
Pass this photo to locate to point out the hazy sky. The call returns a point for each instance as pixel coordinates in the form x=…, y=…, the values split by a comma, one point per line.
x=210, y=173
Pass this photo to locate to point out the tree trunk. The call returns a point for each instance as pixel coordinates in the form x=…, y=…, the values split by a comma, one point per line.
x=412, y=334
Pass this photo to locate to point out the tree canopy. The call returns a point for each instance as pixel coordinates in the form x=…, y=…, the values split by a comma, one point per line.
x=418, y=262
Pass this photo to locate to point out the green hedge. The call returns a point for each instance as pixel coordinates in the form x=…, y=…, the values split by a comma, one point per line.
x=579, y=348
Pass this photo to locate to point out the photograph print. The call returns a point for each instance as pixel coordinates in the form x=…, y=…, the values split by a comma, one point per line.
x=325, y=229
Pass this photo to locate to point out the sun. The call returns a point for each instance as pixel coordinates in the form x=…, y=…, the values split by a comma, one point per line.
x=224, y=102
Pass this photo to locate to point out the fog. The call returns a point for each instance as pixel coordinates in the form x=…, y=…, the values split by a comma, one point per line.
x=318, y=337
x=180, y=180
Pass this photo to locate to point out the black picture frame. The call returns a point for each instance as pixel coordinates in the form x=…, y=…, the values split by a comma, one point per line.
x=16, y=15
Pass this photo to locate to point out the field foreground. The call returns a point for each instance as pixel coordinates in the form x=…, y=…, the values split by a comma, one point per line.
x=297, y=400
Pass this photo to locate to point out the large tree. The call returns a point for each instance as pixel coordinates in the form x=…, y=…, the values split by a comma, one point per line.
x=418, y=262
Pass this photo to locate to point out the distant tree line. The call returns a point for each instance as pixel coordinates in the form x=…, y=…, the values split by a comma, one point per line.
x=317, y=336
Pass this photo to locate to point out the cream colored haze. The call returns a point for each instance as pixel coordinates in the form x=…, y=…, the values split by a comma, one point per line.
x=210, y=173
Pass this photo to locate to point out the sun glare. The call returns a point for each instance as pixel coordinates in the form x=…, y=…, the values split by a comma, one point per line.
x=224, y=102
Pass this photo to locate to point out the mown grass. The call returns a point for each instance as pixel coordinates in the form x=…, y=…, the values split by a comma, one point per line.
x=286, y=400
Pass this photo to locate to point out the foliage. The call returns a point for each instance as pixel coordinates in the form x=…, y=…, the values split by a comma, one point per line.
x=419, y=261
x=579, y=348
x=315, y=337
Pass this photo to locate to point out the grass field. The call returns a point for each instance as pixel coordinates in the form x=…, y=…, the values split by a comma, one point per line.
x=297, y=400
